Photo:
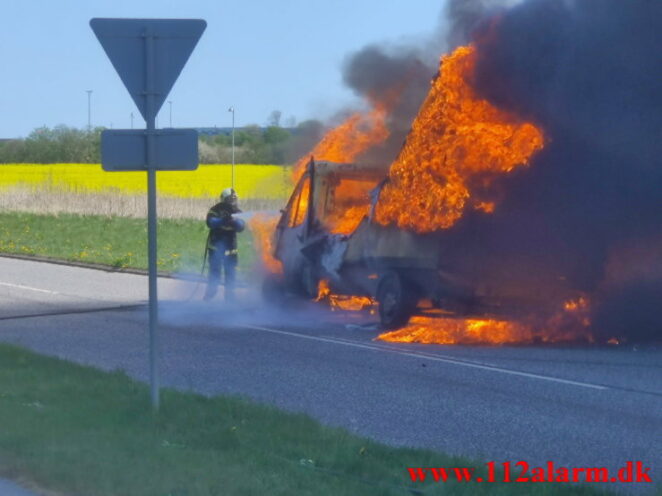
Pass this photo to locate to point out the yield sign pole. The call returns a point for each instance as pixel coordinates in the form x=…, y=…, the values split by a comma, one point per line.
x=148, y=55
x=151, y=220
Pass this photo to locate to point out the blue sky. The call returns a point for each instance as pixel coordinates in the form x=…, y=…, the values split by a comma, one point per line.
x=256, y=55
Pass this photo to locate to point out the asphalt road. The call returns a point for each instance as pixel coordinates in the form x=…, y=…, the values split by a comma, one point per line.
x=576, y=406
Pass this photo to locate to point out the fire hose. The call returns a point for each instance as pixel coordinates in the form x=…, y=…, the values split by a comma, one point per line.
x=202, y=269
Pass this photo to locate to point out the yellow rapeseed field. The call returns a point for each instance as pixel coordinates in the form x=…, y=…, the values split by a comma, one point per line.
x=251, y=181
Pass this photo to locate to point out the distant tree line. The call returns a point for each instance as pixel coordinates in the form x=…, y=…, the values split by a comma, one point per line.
x=253, y=144
x=60, y=144
x=257, y=145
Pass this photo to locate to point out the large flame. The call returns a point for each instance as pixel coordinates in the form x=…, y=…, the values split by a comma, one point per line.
x=458, y=145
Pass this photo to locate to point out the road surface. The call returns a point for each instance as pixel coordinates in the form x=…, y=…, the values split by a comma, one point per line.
x=576, y=406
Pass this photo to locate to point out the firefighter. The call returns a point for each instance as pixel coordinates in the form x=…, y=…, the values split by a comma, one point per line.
x=222, y=243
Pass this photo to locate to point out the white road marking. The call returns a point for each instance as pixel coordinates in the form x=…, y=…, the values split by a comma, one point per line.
x=30, y=288
x=48, y=291
x=436, y=358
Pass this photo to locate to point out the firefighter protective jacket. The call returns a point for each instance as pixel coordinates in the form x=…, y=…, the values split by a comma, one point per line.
x=223, y=229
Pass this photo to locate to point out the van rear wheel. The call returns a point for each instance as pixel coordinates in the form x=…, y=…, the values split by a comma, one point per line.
x=397, y=300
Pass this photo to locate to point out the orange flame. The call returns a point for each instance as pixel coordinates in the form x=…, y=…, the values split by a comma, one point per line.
x=458, y=145
x=341, y=302
x=262, y=227
x=428, y=330
x=344, y=143
x=351, y=204
x=347, y=221
x=568, y=324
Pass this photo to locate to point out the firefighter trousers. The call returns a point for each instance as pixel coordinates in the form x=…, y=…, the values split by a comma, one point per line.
x=221, y=260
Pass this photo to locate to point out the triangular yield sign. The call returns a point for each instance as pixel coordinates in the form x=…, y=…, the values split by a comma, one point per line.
x=171, y=42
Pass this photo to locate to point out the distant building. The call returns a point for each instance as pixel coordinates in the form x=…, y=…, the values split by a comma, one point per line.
x=227, y=131
x=213, y=131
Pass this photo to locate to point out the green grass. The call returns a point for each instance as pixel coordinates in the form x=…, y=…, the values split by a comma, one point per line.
x=113, y=241
x=77, y=430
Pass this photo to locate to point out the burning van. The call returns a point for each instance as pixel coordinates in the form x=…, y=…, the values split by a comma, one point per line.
x=518, y=208
x=327, y=239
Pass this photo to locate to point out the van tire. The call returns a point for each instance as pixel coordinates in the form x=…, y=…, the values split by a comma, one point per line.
x=397, y=300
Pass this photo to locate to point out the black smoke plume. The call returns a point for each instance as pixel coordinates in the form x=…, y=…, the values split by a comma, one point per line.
x=461, y=18
x=590, y=74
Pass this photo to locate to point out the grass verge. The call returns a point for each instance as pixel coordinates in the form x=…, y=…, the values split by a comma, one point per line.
x=115, y=241
x=77, y=430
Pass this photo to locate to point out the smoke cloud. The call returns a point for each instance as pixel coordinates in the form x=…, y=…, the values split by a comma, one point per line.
x=401, y=78
x=590, y=74
x=461, y=18
x=401, y=75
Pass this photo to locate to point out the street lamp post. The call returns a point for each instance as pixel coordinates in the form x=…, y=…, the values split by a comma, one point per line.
x=170, y=105
x=131, y=120
x=89, y=110
x=231, y=109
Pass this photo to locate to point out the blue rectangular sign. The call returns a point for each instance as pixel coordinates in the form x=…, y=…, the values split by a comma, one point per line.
x=126, y=149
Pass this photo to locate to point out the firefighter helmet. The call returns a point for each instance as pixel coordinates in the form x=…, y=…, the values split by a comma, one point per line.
x=228, y=195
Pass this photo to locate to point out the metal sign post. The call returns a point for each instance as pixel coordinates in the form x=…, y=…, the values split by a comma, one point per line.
x=149, y=55
x=151, y=221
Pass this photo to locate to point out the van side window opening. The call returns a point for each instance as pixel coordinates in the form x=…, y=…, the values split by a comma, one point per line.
x=299, y=207
x=346, y=202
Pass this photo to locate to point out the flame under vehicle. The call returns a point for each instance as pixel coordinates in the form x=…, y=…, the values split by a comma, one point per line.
x=327, y=232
